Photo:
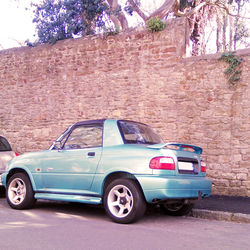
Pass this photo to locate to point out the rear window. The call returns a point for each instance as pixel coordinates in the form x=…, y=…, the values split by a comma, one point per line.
x=138, y=133
x=4, y=145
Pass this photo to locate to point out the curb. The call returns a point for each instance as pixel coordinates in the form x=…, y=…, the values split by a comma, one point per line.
x=219, y=215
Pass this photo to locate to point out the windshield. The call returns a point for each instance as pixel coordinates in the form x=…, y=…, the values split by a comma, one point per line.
x=138, y=133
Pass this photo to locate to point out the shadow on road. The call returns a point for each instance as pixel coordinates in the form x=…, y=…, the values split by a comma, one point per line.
x=70, y=208
x=79, y=209
x=85, y=209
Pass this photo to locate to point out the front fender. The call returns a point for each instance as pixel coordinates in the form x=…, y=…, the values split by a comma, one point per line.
x=6, y=176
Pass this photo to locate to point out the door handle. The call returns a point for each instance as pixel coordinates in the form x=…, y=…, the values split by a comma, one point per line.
x=91, y=154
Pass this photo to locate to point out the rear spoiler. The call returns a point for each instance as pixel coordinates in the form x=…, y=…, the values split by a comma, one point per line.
x=177, y=146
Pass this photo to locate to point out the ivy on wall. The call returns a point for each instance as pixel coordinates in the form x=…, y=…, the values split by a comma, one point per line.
x=233, y=71
x=155, y=24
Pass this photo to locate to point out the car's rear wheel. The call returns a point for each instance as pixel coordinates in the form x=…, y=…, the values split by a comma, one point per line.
x=19, y=192
x=2, y=191
x=177, y=209
x=123, y=201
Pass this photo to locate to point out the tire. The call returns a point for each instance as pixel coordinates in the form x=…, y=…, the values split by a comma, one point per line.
x=176, y=209
x=2, y=191
x=19, y=192
x=123, y=201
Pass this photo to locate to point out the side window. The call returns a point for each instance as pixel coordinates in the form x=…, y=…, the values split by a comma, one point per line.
x=85, y=136
x=138, y=133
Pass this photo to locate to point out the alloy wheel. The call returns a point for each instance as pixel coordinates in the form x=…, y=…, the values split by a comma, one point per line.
x=17, y=191
x=120, y=201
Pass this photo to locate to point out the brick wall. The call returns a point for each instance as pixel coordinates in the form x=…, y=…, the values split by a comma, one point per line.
x=135, y=75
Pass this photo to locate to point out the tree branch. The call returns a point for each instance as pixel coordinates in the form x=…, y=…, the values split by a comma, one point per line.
x=198, y=7
x=191, y=12
x=223, y=6
x=167, y=7
x=162, y=11
x=138, y=10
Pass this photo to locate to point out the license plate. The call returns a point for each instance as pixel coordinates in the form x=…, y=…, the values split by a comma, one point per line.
x=186, y=166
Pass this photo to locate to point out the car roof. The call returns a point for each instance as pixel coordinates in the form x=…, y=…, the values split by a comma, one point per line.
x=102, y=121
x=89, y=122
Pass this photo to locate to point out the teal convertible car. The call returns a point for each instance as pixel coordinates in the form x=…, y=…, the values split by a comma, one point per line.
x=121, y=164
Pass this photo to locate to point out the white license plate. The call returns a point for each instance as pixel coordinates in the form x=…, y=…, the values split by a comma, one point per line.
x=185, y=165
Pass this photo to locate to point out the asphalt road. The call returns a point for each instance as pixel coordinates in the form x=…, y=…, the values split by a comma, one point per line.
x=54, y=225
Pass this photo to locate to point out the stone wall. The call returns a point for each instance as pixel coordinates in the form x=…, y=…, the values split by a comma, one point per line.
x=135, y=75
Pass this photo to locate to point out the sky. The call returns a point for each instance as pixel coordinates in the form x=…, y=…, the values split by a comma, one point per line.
x=16, y=22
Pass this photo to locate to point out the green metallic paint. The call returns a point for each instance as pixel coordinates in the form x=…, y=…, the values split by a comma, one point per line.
x=73, y=175
x=166, y=187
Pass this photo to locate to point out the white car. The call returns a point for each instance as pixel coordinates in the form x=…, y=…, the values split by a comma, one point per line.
x=6, y=154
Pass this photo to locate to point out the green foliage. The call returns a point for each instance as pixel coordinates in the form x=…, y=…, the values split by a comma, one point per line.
x=155, y=24
x=241, y=31
x=110, y=31
x=61, y=19
x=129, y=9
x=186, y=4
x=234, y=62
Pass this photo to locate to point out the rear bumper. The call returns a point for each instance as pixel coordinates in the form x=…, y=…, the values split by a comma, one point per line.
x=2, y=178
x=174, y=187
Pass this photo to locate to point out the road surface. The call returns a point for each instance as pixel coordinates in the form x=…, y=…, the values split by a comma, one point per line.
x=55, y=225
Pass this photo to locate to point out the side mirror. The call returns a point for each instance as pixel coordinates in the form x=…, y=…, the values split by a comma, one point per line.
x=57, y=145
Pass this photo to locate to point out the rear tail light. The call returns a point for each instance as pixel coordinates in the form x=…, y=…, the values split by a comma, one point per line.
x=203, y=166
x=16, y=154
x=162, y=162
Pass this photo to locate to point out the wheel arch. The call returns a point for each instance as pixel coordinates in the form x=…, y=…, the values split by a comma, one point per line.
x=120, y=175
x=20, y=170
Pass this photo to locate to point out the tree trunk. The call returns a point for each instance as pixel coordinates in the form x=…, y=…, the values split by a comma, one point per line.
x=218, y=34
x=230, y=33
x=120, y=21
x=236, y=24
x=224, y=33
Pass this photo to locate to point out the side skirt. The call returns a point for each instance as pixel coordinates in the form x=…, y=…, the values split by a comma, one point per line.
x=68, y=197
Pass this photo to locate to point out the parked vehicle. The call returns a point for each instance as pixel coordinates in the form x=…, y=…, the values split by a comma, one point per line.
x=121, y=164
x=6, y=154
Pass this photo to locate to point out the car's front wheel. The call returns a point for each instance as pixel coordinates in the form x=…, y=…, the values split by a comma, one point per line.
x=123, y=201
x=19, y=192
x=177, y=209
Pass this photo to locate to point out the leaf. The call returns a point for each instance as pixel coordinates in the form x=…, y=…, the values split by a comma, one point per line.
x=57, y=20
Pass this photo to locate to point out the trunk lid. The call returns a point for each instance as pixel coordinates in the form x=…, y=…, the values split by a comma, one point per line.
x=186, y=156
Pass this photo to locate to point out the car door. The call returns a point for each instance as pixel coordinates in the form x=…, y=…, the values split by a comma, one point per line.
x=6, y=154
x=71, y=169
